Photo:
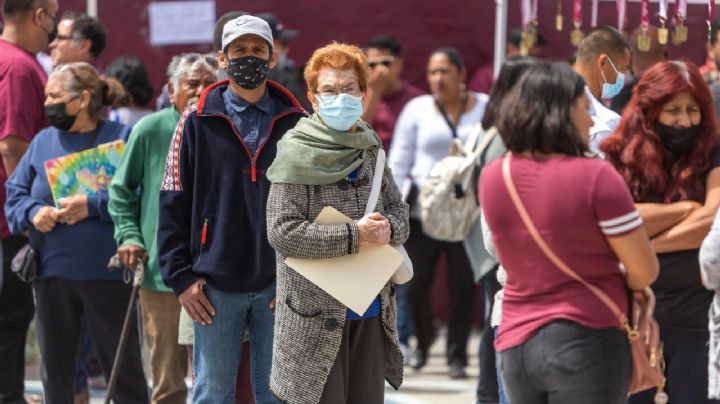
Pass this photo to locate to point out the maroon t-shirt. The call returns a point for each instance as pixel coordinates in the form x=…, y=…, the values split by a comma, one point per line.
x=22, y=94
x=576, y=203
x=388, y=109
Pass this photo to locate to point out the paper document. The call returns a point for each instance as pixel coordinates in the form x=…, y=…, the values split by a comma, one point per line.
x=354, y=280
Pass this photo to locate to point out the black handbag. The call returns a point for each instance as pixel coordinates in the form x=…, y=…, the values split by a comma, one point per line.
x=26, y=261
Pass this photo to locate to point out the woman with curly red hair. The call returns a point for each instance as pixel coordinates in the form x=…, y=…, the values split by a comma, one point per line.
x=666, y=149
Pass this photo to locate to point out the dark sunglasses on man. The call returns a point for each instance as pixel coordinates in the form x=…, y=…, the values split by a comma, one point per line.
x=385, y=62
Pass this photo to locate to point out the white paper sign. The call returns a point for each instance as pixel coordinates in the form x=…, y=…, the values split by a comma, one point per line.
x=181, y=22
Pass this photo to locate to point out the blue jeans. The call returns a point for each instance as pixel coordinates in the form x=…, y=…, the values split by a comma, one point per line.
x=404, y=319
x=218, y=347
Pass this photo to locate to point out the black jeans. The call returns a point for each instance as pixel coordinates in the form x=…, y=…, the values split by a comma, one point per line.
x=16, y=313
x=487, y=390
x=61, y=303
x=425, y=253
x=566, y=363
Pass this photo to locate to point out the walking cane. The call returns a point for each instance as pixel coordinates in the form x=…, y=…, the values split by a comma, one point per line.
x=137, y=281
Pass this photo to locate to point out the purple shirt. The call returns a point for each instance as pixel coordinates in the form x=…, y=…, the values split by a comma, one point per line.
x=22, y=95
x=388, y=109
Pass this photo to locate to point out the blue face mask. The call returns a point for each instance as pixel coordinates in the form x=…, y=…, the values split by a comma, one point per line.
x=340, y=112
x=611, y=90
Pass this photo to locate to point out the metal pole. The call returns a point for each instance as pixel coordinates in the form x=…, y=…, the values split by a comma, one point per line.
x=92, y=8
x=501, y=13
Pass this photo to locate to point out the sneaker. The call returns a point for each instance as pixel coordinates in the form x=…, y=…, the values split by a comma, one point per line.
x=457, y=371
x=417, y=359
x=405, y=350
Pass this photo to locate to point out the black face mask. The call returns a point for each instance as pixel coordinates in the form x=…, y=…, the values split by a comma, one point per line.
x=58, y=116
x=52, y=34
x=248, y=71
x=678, y=141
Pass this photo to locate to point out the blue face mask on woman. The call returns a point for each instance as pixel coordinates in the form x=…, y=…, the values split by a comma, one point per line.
x=611, y=90
x=341, y=111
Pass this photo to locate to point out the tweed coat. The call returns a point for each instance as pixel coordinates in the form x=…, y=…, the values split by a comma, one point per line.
x=309, y=322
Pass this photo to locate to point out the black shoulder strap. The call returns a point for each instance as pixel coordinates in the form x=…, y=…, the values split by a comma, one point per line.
x=447, y=118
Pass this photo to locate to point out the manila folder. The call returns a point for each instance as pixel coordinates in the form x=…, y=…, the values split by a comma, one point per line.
x=354, y=279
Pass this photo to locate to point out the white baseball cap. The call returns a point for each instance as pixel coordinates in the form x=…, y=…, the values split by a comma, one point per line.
x=246, y=25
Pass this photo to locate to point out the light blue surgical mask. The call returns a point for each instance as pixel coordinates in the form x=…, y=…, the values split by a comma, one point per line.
x=340, y=111
x=611, y=90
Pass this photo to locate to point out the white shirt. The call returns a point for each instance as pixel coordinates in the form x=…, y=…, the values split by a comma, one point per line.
x=605, y=120
x=422, y=137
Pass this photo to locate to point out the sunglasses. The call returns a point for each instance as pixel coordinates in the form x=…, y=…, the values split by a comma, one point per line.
x=385, y=62
x=193, y=57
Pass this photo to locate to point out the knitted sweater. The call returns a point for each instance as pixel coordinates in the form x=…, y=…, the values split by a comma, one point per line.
x=309, y=323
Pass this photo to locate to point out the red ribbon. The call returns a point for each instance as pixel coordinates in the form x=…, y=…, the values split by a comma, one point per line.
x=645, y=13
x=577, y=12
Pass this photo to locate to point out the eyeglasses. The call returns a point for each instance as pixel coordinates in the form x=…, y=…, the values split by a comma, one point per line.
x=384, y=62
x=68, y=38
x=331, y=93
x=194, y=57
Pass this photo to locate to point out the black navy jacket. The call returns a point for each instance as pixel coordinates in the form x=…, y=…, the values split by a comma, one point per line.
x=211, y=221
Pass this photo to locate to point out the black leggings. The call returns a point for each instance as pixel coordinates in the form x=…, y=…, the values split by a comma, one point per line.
x=425, y=253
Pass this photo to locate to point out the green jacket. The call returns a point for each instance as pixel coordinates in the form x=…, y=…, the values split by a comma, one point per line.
x=135, y=188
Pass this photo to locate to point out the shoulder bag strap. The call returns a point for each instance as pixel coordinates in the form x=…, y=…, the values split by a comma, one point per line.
x=447, y=118
x=487, y=137
x=507, y=178
x=377, y=182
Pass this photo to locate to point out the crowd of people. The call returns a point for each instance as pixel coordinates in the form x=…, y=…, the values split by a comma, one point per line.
x=216, y=188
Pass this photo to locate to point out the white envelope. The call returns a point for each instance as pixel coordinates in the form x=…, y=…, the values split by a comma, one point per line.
x=355, y=279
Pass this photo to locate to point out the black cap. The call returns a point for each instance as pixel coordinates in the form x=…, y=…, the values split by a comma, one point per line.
x=278, y=31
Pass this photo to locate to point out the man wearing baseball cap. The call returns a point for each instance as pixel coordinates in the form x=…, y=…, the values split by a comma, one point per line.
x=212, y=243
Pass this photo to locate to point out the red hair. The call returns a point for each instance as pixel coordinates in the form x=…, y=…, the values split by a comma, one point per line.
x=635, y=149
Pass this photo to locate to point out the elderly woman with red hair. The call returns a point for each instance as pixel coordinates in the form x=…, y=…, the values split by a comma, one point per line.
x=666, y=149
x=323, y=352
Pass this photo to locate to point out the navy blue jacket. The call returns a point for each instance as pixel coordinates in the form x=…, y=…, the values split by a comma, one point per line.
x=212, y=200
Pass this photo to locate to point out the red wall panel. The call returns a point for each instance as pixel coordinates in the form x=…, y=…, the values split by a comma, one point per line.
x=421, y=26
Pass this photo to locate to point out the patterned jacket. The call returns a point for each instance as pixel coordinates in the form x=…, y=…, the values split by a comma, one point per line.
x=309, y=323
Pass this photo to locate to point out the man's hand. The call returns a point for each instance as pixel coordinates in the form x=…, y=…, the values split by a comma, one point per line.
x=73, y=209
x=373, y=229
x=196, y=304
x=379, y=79
x=131, y=254
x=45, y=219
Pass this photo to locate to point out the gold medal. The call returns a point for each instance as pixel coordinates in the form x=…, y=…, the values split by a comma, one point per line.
x=576, y=36
x=559, y=22
x=643, y=40
x=662, y=34
x=681, y=33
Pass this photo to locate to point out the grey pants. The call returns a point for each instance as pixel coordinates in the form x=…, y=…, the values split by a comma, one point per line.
x=566, y=363
x=358, y=373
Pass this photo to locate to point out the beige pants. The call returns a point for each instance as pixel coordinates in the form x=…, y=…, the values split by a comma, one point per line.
x=168, y=360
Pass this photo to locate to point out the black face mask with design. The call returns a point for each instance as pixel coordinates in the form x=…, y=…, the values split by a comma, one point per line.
x=58, y=116
x=678, y=141
x=249, y=72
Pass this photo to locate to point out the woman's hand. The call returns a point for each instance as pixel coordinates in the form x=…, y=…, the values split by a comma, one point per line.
x=73, y=209
x=373, y=229
x=45, y=219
